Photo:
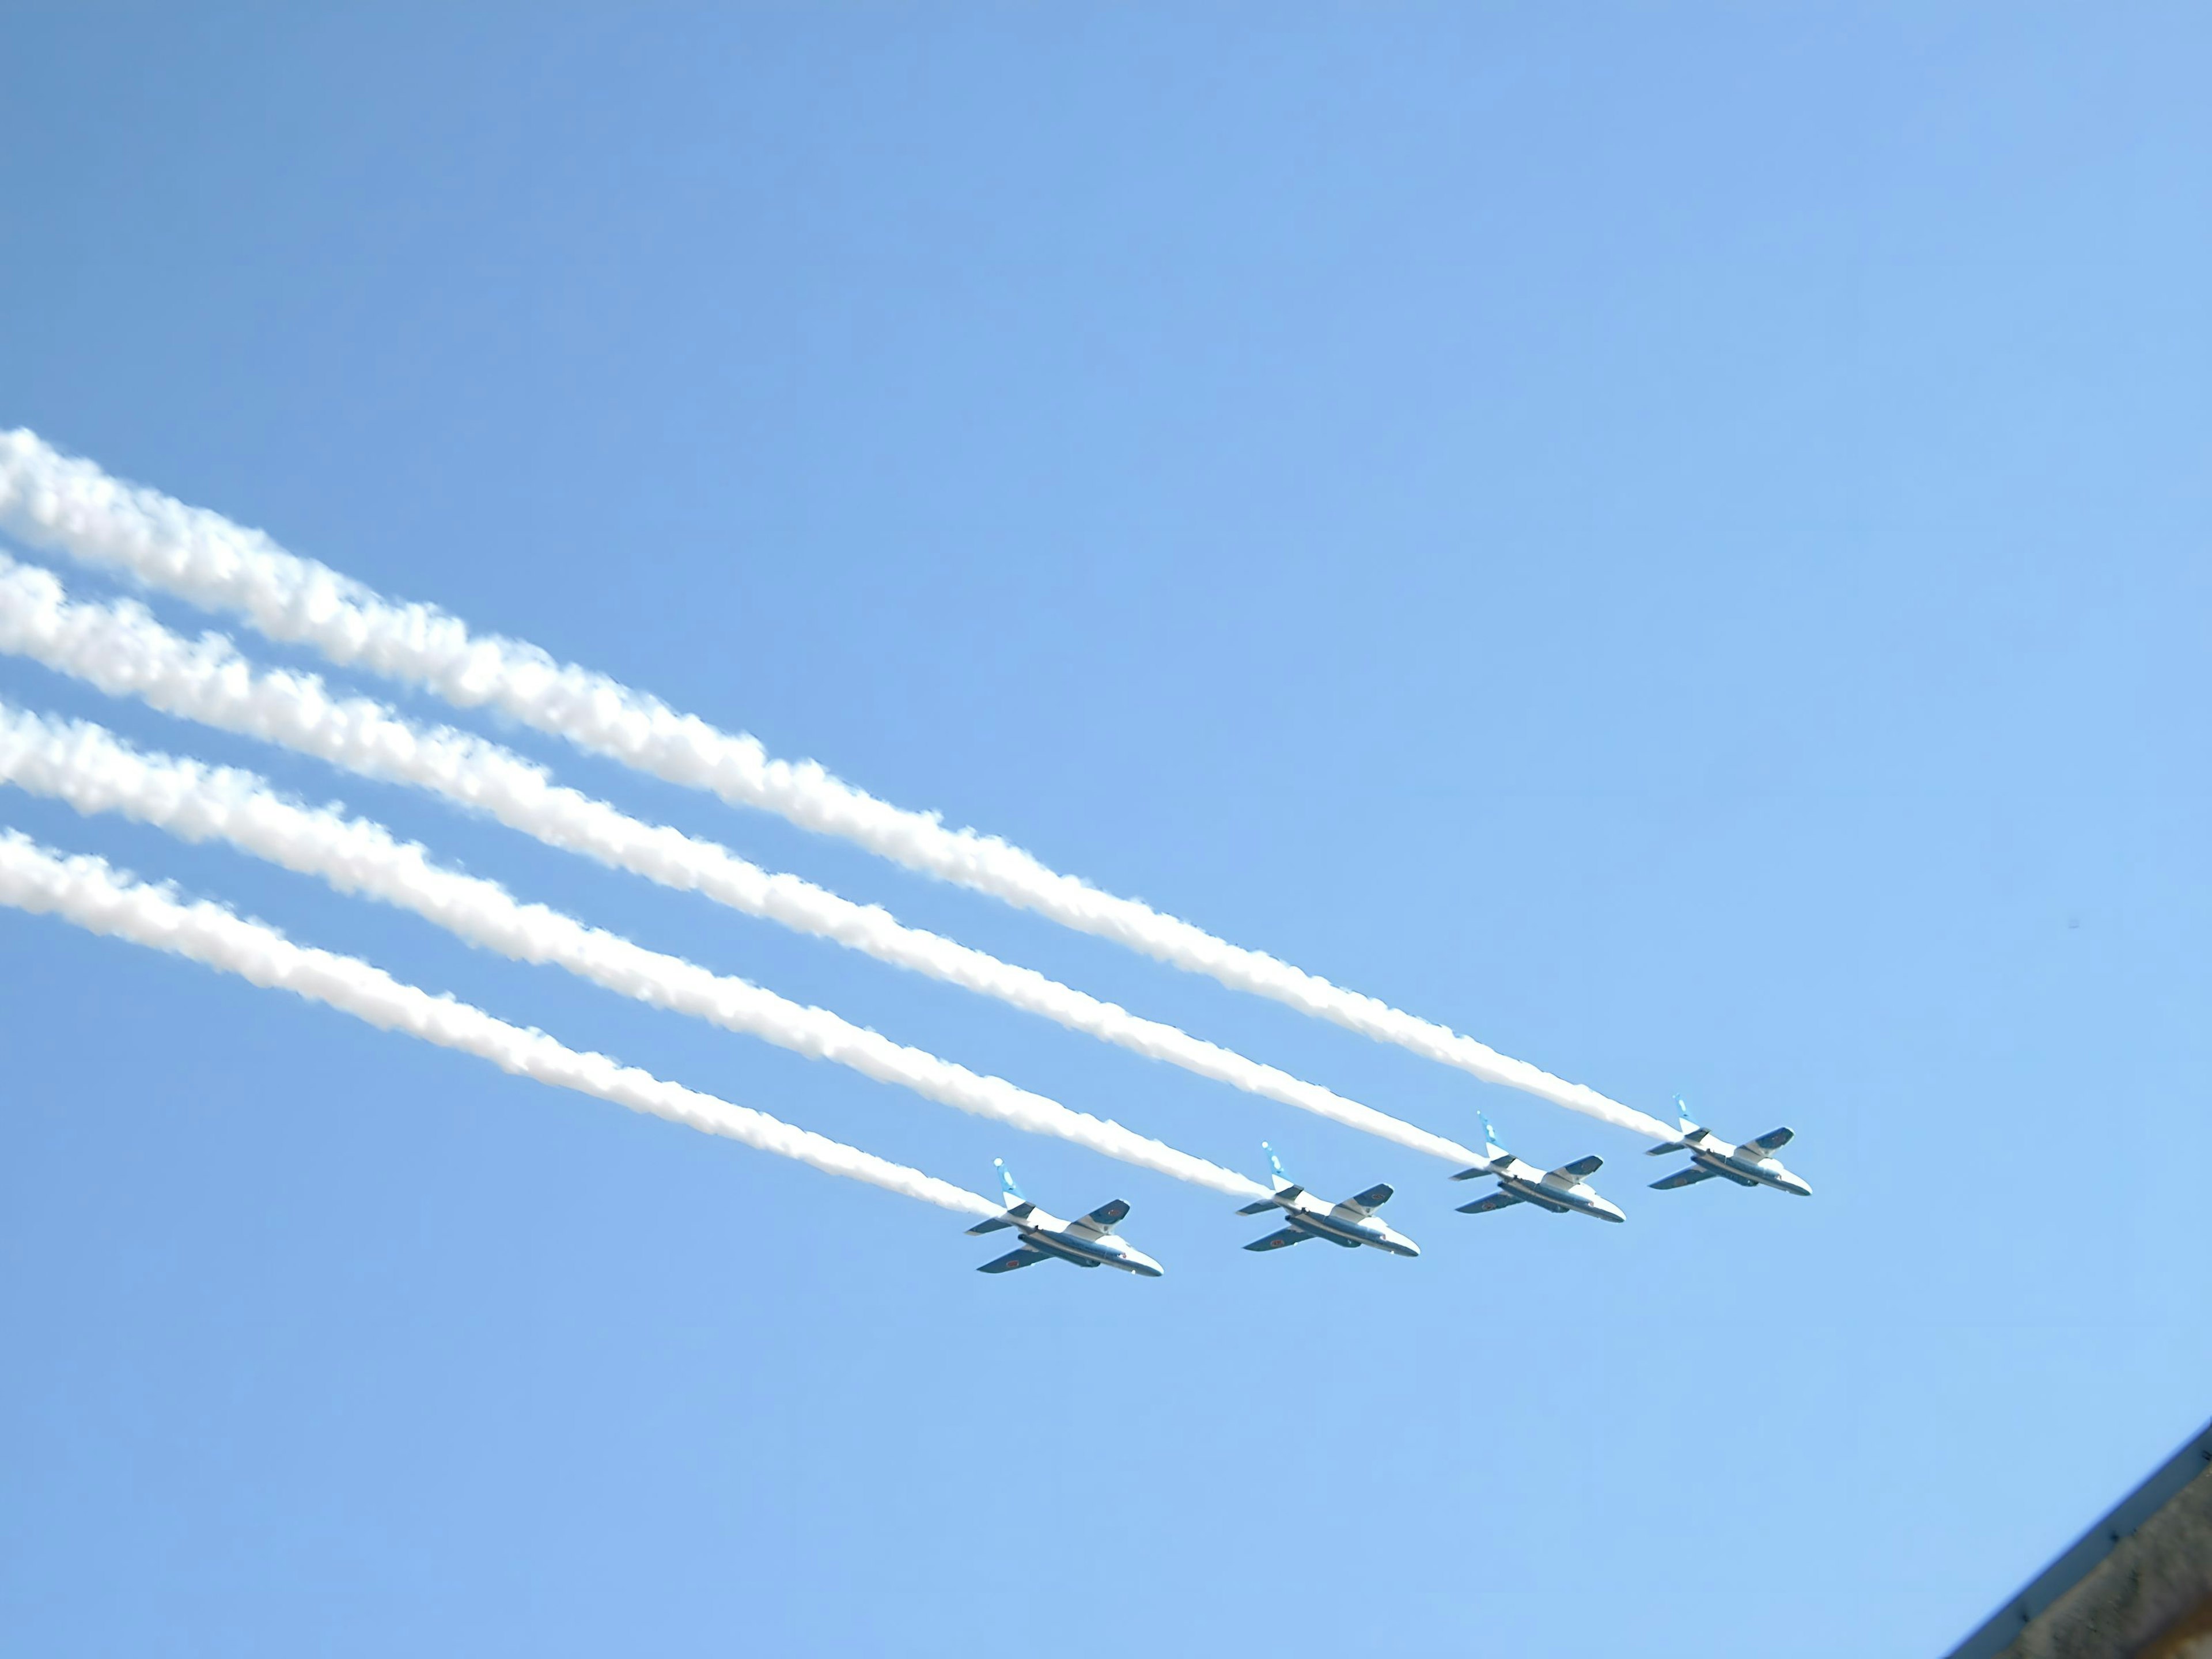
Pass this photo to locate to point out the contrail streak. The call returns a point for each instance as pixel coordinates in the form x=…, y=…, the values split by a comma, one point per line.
x=94, y=771
x=97, y=897
x=60, y=501
x=122, y=649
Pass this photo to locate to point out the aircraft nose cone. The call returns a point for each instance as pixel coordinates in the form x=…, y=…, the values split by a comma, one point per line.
x=1800, y=1185
x=1145, y=1265
x=1406, y=1247
x=1611, y=1212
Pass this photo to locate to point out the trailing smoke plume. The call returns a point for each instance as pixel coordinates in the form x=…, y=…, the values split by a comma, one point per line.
x=58, y=502
x=95, y=896
x=94, y=771
x=122, y=649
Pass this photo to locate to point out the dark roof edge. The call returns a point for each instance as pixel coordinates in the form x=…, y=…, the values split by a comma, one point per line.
x=2003, y=1626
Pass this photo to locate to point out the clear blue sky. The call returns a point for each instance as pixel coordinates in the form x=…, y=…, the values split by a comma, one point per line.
x=1673, y=539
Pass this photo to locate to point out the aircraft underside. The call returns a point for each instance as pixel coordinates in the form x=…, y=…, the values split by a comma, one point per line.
x=1081, y=1258
x=1541, y=1200
x=1033, y=1250
x=1728, y=1171
x=1283, y=1237
x=1313, y=1229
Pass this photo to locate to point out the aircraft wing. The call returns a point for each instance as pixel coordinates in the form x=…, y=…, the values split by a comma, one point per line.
x=1367, y=1202
x=1576, y=1170
x=1024, y=1257
x=1688, y=1177
x=1277, y=1241
x=1497, y=1200
x=1105, y=1219
x=1772, y=1141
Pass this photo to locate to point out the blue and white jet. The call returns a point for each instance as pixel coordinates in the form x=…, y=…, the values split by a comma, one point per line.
x=1088, y=1241
x=1751, y=1164
x=1561, y=1191
x=1351, y=1223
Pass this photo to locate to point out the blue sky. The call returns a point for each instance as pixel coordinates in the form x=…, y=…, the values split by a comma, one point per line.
x=1669, y=538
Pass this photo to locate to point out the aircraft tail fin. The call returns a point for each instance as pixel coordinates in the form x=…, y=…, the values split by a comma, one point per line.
x=1682, y=1143
x=1491, y=1149
x=1018, y=1207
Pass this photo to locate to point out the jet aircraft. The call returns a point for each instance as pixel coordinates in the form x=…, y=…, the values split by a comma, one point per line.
x=1351, y=1223
x=1560, y=1190
x=1088, y=1240
x=1751, y=1164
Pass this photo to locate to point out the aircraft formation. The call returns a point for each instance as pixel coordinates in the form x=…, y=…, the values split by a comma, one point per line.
x=59, y=504
x=1090, y=1241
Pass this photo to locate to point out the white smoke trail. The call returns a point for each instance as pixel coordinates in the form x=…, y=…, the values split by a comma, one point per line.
x=59, y=502
x=94, y=771
x=94, y=895
x=122, y=649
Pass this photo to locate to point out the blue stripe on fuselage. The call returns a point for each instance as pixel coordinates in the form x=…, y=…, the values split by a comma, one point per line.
x=1720, y=1165
x=1530, y=1192
x=1346, y=1235
x=1068, y=1250
x=1333, y=1231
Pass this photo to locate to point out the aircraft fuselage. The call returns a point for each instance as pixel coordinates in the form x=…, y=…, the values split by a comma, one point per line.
x=1104, y=1251
x=1559, y=1200
x=1765, y=1171
x=1338, y=1231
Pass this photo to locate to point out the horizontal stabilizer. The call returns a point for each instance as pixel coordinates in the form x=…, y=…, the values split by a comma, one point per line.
x=1278, y=1241
x=1495, y=1201
x=1479, y=1170
x=1665, y=1147
x=995, y=1224
x=1772, y=1141
x=1580, y=1167
x=1261, y=1208
x=1024, y=1257
x=1688, y=1177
